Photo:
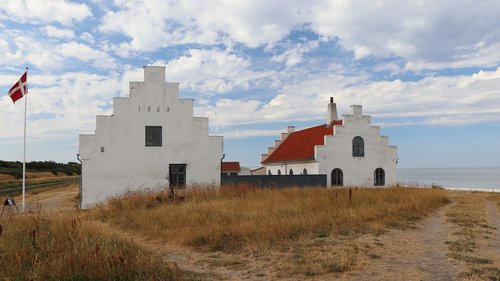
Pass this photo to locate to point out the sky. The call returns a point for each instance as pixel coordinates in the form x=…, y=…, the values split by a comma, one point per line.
x=428, y=72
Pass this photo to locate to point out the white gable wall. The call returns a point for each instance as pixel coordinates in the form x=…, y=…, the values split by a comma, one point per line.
x=126, y=163
x=357, y=171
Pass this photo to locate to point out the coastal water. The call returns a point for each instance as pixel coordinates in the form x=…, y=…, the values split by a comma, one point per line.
x=462, y=178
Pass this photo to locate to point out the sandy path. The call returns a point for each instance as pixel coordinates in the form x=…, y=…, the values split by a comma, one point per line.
x=418, y=254
x=492, y=249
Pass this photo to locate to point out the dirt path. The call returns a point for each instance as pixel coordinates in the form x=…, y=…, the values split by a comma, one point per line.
x=418, y=254
x=493, y=244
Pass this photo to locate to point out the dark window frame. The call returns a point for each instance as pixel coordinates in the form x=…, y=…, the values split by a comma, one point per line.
x=358, y=147
x=337, y=177
x=379, y=177
x=177, y=175
x=153, y=136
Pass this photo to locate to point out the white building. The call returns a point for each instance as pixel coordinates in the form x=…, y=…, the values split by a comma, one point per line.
x=151, y=140
x=351, y=151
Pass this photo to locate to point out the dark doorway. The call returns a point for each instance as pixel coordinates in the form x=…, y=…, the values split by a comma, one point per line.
x=379, y=177
x=337, y=177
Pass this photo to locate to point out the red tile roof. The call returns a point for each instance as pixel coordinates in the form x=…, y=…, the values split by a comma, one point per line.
x=231, y=167
x=299, y=146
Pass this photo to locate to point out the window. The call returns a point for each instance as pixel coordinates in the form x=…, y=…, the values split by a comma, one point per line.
x=358, y=147
x=291, y=172
x=304, y=172
x=279, y=172
x=379, y=177
x=177, y=175
x=269, y=172
x=233, y=174
x=153, y=135
x=337, y=177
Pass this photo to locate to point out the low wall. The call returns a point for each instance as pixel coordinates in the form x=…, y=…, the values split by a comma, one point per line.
x=276, y=181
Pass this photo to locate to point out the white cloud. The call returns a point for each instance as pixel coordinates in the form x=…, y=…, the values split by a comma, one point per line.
x=433, y=33
x=55, y=32
x=292, y=56
x=428, y=34
x=64, y=106
x=61, y=11
x=28, y=49
x=451, y=101
x=239, y=134
x=87, y=54
x=158, y=23
x=214, y=71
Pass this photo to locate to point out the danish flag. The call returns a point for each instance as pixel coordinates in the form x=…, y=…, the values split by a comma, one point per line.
x=20, y=89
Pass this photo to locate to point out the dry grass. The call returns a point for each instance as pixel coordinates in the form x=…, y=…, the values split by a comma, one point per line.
x=472, y=229
x=233, y=218
x=53, y=246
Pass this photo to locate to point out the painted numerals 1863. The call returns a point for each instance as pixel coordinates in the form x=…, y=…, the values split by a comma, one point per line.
x=157, y=109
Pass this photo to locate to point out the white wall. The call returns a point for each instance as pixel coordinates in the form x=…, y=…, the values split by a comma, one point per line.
x=126, y=163
x=357, y=171
x=297, y=167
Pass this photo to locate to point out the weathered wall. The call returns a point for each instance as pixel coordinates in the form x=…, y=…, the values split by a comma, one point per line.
x=126, y=163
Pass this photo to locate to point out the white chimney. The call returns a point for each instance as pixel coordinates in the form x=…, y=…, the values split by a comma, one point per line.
x=332, y=112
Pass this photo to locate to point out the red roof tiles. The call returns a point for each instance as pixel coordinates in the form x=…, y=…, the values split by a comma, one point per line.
x=299, y=146
x=231, y=167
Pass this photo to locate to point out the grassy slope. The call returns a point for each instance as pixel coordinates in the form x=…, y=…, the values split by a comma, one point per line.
x=44, y=246
x=229, y=219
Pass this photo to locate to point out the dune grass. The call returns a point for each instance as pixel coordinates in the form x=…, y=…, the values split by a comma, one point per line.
x=232, y=218
x=50, y=246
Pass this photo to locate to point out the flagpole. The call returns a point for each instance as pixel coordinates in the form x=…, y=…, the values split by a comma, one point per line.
x=24, y=151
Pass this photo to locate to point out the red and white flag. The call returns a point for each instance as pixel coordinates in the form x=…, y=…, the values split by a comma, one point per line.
x=20, y=89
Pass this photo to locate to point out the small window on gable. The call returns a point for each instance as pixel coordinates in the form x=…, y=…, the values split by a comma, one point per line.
x=358, y=147
x=153, y=136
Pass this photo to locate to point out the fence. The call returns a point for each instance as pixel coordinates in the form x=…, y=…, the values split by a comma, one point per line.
x=276, y=181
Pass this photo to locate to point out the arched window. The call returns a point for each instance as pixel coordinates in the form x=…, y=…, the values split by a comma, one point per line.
x=304, y=172
x=279, y=172
x=358, y=147
x=291, y=172
x=379, y=177
x=269, y=172
x=337, y=177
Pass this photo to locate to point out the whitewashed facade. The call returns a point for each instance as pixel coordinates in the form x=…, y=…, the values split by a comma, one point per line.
x=350, y=151
x=151, y=140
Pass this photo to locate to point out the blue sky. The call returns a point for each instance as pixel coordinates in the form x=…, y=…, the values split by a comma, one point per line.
x=428, y=72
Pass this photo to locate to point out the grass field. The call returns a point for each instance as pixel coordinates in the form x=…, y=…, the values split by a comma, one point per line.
x=50, y=246
x=260, y=234
x=233, y=218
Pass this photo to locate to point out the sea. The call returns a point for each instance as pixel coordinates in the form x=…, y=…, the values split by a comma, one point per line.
x=483, y=179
